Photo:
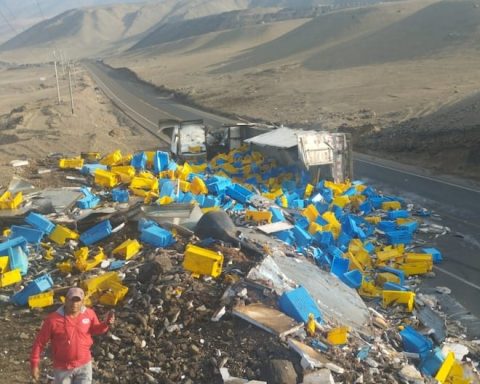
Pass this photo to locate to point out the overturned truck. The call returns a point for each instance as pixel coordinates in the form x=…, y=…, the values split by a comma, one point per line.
x=324, y=154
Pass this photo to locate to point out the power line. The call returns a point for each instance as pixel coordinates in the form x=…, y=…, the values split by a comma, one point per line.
x=8, y=9
x=40, y=9
x=8, y=22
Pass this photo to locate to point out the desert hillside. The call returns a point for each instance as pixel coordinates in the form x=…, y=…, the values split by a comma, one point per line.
x=406, y=67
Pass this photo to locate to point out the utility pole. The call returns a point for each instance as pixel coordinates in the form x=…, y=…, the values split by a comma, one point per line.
x=56, y=77
x=71, y=93
x=74, y=74
x=62, y=59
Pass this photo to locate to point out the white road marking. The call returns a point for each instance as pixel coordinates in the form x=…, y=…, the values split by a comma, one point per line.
x=456, y=277
x=421, y=176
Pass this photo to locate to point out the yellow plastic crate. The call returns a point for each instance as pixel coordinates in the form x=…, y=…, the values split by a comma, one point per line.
x=144, y=183
x=65, y=267
x=92, y=157
x=128, y=249
x=373, y=219
x=314, y=228
x=60, y=234
x=341, y=201
x=3, y=263
x=113, y=158
x=73, y=163
x=418, y=268
x=368, y=289
x=84, y=264
x=115, y=292
x=311, y=213
x=399, y=297
x=258, y=216
x=41, y=300
x=386, y=277
x=201, y=261
x=451, y=372
x=338, y=336
x=198, y=187
x=106, y=179
x=8, y=201
x=125, y=172
x=391, y=205
x=10, y=277
x=308, y=191
x=165, y=200
x=184, y=186
x=100, y=282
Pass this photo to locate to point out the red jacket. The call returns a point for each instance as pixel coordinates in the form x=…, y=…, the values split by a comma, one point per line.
x=70, y=337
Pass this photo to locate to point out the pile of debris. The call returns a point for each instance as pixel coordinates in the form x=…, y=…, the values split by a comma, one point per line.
x=233, y=271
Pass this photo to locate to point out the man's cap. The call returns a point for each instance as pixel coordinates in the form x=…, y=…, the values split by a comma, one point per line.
x=75, y=292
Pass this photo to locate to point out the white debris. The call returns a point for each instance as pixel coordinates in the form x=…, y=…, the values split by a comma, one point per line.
x=322, y=376
x=219, y=314
x=19, y=163
x=411, y=374
x=458, y=350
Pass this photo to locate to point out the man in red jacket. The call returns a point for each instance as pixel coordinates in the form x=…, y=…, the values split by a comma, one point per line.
x=69, y=330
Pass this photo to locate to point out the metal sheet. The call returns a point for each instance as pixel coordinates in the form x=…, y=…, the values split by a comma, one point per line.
x=280, y=138
x=315, y=149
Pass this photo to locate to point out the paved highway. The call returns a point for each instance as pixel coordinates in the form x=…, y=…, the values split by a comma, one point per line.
x=456, y=203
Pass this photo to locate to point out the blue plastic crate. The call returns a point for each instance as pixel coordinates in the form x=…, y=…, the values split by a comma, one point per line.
x=302, y=237
x=160, y=161
x=210, y=201
x=432, y=362
x=436, y=255
x=40, y=222
x=410, y=227
x=98, y=232
x=366, y=207
x=324, y=239
x=89, y=201
x=298, y=304
x=18, y=259
x=415, y=342
x=302, y=222
x=387, y=225
x=321, y=258
x=394, y=271
x=139, y=160
x=32, y=235
x=157, y=237
x=89, y=169
x=389, y=286
x=340, y=266
x=13, y=242
x=399, y=237
x=39, y=285
x=168, y=188
x=239, y=193
x=286, y=236
x=120, y=195
x=334, y=251
x=398, y=214
x=352, y=278
x=277, y=214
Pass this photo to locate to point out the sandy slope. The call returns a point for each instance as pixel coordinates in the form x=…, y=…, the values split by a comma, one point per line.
x=37, y=126
x=367, y=69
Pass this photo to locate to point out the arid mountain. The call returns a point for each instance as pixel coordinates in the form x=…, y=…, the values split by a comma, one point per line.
x=113, y=28
x=21, y=15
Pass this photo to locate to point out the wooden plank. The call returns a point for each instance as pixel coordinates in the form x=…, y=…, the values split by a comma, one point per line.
x=268, y=319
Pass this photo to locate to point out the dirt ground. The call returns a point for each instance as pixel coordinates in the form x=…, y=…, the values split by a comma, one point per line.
x=33, y=125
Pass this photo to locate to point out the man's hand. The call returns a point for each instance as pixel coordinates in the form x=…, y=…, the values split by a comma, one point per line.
x=110, y=318
x=36, y=373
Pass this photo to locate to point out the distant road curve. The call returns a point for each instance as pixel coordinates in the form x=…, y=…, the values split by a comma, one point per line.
x=455, y=201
